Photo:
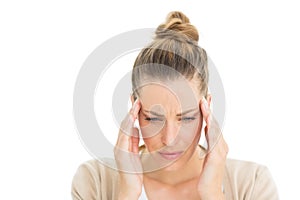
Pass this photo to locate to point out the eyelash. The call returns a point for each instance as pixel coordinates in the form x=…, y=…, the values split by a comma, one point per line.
x=189, y=118
x=155, y=119
x=152, y=119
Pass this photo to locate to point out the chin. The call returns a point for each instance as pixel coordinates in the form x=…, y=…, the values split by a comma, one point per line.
x=180, y=163
x=174, y=166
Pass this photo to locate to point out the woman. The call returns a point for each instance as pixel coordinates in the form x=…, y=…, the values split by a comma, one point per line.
x=170, y=100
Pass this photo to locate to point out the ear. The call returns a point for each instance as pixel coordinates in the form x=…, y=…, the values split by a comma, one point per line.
x=208, y=99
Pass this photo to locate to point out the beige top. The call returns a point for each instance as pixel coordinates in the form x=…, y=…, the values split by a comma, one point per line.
x=243, y=181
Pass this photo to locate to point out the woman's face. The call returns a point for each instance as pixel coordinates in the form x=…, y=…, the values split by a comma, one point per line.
x=170, y=120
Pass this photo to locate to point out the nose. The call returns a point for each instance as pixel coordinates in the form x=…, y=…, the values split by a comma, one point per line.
x=170, y=131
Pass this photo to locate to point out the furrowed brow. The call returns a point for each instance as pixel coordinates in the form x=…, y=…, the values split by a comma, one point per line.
x=187, y=111
x=154, y=113
x=179, y=114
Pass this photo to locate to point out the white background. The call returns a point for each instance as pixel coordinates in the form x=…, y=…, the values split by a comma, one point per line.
x=254, y=44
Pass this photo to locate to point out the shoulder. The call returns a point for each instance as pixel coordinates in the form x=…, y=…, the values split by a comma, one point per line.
x=250, y=179
x=94, y=179
x=240, y=168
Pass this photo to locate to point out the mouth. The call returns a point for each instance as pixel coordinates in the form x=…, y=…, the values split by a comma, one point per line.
x=171, y=155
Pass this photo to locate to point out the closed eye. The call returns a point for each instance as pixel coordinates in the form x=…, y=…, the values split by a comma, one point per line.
x=153, y=119
x=188, y=119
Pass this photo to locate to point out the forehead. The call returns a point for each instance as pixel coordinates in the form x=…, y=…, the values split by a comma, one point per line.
x=170, y=95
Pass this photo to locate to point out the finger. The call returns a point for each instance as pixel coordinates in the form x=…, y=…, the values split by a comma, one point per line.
x=126, y=153
x=224, y=145
x=128, y=122
x=126, y=128
x=212, y=130
x=212, y=135
x=206, y=117
x=220, y=150
x=205, y=110
x=216, y=141
x=135, y=139
x=123, y=141
x=135, y=109
x=208, y=140
x=126, y=149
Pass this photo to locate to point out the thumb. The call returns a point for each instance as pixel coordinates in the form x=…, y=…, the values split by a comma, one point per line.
x=135, y=138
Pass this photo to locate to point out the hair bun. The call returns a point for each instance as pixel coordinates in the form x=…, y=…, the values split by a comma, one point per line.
x=180, y=23
x=177, y=15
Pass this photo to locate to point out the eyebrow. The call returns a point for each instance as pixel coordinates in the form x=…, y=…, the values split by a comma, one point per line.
x=179, y=114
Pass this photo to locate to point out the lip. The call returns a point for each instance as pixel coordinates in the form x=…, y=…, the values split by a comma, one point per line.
x=171, y=155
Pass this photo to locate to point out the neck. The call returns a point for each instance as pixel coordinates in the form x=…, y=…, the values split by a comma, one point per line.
x=188, y=171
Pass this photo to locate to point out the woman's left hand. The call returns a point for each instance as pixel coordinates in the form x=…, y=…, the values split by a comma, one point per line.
x=211, y=178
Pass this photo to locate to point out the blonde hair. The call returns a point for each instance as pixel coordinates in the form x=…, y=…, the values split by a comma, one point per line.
x=175, y=45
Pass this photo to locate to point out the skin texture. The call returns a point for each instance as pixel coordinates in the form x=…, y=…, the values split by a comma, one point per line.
x=189, y=176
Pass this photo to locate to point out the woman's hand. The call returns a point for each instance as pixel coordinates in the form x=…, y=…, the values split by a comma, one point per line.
x=127, y=156
x=211, y=178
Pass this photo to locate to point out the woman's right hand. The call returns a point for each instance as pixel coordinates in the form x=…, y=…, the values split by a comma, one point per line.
x=127, y=156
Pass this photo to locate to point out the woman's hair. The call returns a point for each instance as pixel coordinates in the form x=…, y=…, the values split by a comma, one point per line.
x=175, y=46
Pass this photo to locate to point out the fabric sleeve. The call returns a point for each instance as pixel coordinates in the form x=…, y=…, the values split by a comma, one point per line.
x=84, y=184
x=264, y=188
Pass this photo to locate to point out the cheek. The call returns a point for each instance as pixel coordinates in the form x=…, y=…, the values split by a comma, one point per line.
x=150, y=129
x=149, y=142
x=153, y=143
x=191, y=131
